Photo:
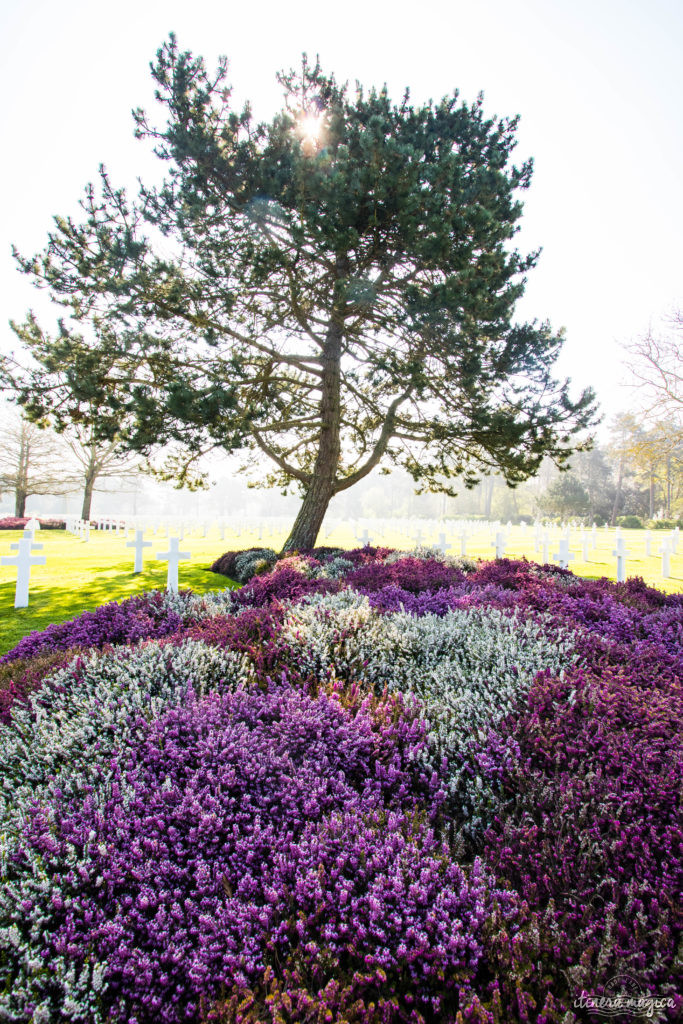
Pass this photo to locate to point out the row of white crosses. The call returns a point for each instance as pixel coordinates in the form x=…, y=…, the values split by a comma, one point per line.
x=173, y=556
x=79, y=527
x=24, y=560
x=165, y=526
x=109, y=524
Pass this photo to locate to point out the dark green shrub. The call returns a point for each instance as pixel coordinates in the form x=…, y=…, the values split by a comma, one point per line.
x=254, y=563
x=323, y=553
x=630, y=522
x=225, y=565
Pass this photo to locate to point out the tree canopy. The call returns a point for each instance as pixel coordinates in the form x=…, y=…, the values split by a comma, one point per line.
x=333, y=290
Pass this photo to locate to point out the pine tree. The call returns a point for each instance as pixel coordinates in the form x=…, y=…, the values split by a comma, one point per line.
x=333, y=291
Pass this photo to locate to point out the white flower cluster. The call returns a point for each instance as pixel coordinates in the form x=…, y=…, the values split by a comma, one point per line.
x=460, y=562
x=213, y=602
x=468, y=668
x=335, y=568
x=183, y=603
x=63, y=739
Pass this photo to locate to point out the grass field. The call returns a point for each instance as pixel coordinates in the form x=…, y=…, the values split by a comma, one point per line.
x=79, y=576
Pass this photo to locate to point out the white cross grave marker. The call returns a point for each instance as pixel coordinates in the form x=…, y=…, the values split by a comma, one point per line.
x=665, y=551
x=442, y=546
x=23, y=561
x=499, y=544
x=32, y=525
x=546, y=547
x=365, y=539
x=27, y=535
x=139, y=543
x=648, y=544
x=173, y=557
x=621, y=553
x=418, y=538
x=562, y=556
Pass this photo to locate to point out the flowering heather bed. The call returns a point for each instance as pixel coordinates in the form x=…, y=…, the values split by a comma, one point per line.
x=20, y=523
x=365, y=788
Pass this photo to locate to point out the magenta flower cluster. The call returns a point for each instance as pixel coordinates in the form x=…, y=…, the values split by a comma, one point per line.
x=591, y=832
x=119, y=622
x=245, y=826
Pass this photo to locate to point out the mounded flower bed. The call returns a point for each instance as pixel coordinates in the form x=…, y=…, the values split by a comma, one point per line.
x=366, y=788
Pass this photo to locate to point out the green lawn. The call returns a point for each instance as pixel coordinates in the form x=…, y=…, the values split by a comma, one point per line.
x=79, y=576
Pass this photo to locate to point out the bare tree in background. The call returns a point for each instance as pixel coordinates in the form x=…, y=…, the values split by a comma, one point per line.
x=656, y=363
x=96, y=460
x=32, y=461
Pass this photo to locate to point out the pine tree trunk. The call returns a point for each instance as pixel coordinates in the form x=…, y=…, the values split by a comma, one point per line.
x=310, y=518
x=322, y=486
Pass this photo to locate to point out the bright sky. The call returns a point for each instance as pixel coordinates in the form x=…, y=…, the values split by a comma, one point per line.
x=598, y=85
